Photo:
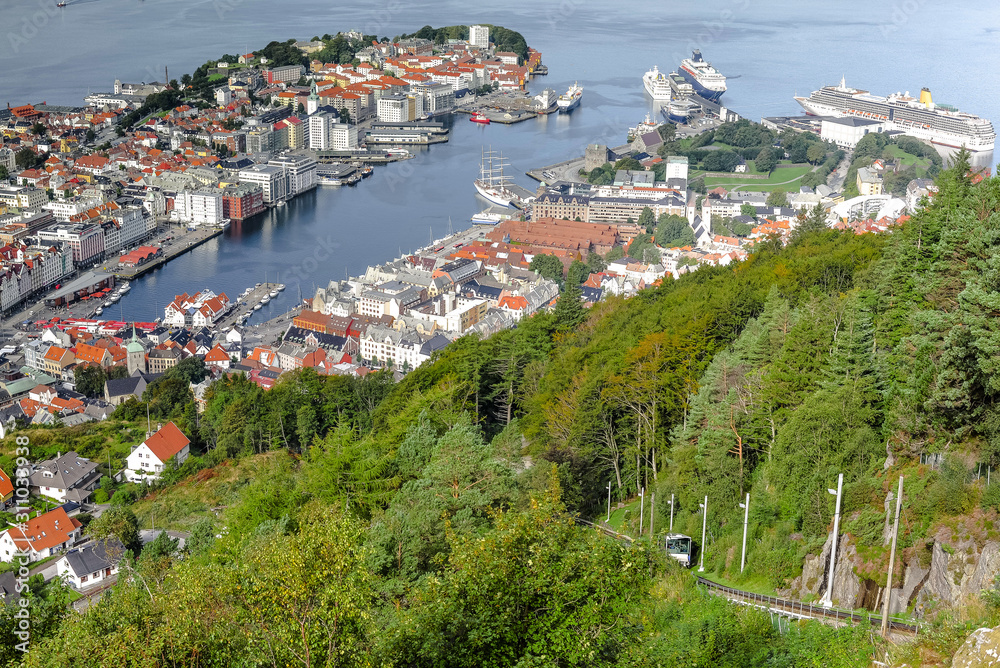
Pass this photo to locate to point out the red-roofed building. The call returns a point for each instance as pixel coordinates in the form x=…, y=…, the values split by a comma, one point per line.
x=167, y=446
x=41, y=536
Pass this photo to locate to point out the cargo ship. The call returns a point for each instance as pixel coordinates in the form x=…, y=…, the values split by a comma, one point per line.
x=707, y=81
x=571, y=98
x=916, y=117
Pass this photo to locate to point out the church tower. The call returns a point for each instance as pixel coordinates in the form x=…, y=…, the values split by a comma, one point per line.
x=136, y=354
x=312, y=102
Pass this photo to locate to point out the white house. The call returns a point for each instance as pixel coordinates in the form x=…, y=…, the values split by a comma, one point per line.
x=150, y=457
x=43, y=536
x=89, y=565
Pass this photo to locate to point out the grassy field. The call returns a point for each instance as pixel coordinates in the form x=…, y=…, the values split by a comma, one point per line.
x=780, y=179
x=908, y=160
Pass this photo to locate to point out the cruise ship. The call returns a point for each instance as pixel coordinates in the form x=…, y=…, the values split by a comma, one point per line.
x=657, y=84
x=707, y=81
x=916, y=117
x=571, y=98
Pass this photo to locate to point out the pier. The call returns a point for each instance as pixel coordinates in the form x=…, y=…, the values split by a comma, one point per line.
x=171, y=248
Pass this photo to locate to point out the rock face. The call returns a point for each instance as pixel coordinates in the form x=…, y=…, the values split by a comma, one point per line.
x=980, y=650
x=815, y=575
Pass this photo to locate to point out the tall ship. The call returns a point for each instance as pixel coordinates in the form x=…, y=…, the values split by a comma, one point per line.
x=571, y=98
x=916, y=117
x=707, y=81
x=492, y=184
x=657, y=84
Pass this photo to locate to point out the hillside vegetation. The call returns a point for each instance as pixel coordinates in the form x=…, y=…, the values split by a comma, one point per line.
x=431, y=522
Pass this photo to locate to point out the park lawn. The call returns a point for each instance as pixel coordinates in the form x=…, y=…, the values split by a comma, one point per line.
x=217, y=77
x=619, y=516
x=777, y=180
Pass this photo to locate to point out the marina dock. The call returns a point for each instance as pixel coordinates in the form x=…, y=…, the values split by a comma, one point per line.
x=170, y=251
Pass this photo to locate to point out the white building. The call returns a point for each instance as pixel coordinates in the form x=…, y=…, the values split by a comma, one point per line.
x=677, y=167
x=199, y=310
x=300, y=170
x=273, y=181
x=149, y=458
x=41, y=537
x=88, y=566
x=438, y=98
x=199, y=207
x=479, y=36
x=400, y=108
x=847, y=132
x=327, y=133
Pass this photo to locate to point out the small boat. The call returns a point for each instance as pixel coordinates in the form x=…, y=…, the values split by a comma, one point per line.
x=479, y=118
x=60, y=4
x=366, y=171
x=257, y=307
x=274, y=293
x=280, y=202
x=397, y=151
x=486, y=218
x=265, y=299
x=124, y=289
x=99, y=311
x=257, y=286
x=281, y=286
x=115, y=297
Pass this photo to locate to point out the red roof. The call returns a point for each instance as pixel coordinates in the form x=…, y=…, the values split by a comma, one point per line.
x=45, y=531
x=6, y=486
x=167, y=442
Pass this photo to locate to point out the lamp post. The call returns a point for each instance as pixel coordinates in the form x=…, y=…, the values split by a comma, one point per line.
x=704, y=526
x=671, y=513
x=827, y=599
x=746, y=520
x=609, y=502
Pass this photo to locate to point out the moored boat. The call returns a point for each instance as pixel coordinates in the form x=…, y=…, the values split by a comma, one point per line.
x=479, y=118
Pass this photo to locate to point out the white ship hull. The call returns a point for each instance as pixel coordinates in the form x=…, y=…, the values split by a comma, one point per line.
x=656, y=84
x=494, y=195
x=935, y=136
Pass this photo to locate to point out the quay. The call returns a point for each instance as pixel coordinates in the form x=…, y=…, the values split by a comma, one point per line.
x=568, y=170
x=172, y=248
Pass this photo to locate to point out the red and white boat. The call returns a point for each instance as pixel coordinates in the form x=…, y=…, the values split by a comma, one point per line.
x=479, y=118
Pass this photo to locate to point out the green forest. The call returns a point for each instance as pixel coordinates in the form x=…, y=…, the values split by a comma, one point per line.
x=437, y=521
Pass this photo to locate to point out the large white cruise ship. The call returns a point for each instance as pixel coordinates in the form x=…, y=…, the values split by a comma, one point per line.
x=916, y=117
x=657, y=84
x=708, y=82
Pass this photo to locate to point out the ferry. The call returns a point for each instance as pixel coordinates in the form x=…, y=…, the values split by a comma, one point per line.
x=707, y=81
x=479, y=118
x=919, y=117
x=397, y=151
x=571, y=98
x=487, y=218
x=656, y=84
x=679, y=111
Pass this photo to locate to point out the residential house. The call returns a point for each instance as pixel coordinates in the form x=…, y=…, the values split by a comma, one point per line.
x=148, y=459
x=41, y=536
x=68, y=477
x=89, y=565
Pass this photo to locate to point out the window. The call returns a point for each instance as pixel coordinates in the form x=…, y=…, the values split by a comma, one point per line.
x=83, y=579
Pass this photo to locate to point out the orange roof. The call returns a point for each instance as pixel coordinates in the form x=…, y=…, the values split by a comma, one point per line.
x=217, y=354
x=167, y=442
x=88, y=353
x=45, y=531
x=6, y=486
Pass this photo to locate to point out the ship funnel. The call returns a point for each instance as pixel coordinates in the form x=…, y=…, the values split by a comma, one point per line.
x=925, y=97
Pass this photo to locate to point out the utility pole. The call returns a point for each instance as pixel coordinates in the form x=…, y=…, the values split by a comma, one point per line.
x=671, y=513
x=642, y=512
x=746, y=520
x=704, y=525
x=892, y=559
x=609, y=502
x=827, y=600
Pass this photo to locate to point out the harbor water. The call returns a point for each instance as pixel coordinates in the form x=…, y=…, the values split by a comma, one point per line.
x=769, y=50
